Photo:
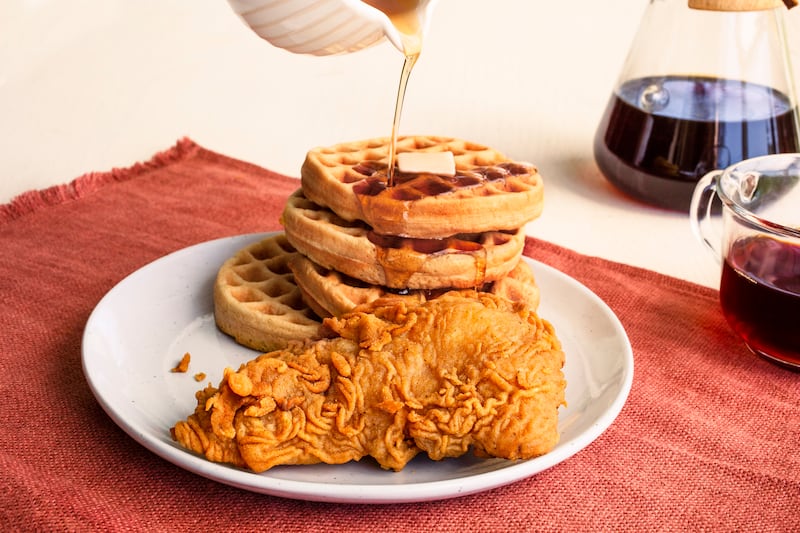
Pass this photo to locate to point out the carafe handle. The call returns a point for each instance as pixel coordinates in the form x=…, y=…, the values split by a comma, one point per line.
x=700, y=215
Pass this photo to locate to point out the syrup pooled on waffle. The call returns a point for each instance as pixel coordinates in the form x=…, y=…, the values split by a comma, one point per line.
x=353, y=248
x=488, y=191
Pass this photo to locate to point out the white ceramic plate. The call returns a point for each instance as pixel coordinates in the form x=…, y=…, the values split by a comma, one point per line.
x=144, y=325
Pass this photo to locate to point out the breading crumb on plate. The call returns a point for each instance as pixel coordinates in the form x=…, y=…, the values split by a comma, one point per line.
x=183, y=365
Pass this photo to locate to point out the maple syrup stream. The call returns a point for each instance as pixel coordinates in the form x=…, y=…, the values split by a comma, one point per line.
x=408, y=65
x=406, y=16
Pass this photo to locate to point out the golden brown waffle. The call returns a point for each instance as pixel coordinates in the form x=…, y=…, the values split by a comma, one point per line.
x=256, y=300
x=352, y=248
x=488, y=193
x=331, y=293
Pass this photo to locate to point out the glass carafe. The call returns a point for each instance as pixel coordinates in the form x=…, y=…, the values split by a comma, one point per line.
x=703, y=87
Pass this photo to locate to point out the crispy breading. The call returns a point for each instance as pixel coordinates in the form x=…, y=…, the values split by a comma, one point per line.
x=183, y=365
x=465, y=371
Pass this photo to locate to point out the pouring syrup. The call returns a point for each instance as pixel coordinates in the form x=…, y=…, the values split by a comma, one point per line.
x=408, y=17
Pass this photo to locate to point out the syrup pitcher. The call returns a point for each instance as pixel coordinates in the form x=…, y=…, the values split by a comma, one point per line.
x=328, y=27
x=705, y=85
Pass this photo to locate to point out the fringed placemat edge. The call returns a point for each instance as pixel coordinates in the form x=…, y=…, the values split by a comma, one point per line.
x=31, y=201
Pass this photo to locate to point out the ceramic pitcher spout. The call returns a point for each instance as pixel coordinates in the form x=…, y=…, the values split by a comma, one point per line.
x=322, y=27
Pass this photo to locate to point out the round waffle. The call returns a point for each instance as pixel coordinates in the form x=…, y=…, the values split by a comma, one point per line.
x=256, y=300
x=488, y=192
x=351, y=247
x=331, y=293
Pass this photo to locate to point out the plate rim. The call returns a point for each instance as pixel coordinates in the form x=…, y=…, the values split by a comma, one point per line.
x=377, y=493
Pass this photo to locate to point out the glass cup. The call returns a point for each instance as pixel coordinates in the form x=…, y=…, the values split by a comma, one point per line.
x=755, y=235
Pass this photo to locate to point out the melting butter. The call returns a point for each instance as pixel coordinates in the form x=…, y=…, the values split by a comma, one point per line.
x=440, y=163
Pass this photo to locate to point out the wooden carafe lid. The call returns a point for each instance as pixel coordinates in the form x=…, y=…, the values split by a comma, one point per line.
x=740, y=5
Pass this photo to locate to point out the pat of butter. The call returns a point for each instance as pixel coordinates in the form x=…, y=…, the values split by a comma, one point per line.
x=441, y=163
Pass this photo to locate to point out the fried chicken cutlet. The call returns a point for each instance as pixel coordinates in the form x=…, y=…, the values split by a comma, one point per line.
x=467, y=370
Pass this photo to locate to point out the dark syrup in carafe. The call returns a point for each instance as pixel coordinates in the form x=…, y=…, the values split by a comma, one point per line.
x=660, y=135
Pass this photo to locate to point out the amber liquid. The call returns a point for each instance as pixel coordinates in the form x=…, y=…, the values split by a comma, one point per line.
x=760, y=296
x=408, y=64
x=659, y=136
x=407, y=18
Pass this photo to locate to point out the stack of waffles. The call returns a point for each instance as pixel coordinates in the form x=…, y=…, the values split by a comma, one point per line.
x=350, y=239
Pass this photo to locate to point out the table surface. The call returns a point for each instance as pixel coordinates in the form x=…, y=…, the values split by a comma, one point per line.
x=89, y=86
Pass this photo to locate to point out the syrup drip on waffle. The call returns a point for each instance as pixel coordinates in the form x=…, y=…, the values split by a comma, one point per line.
x=398, y=265
x=410, y=187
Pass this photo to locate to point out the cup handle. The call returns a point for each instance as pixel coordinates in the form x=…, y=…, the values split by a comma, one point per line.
x=700, y=211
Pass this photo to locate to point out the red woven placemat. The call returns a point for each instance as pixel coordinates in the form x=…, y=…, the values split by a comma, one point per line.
x=707, y=441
